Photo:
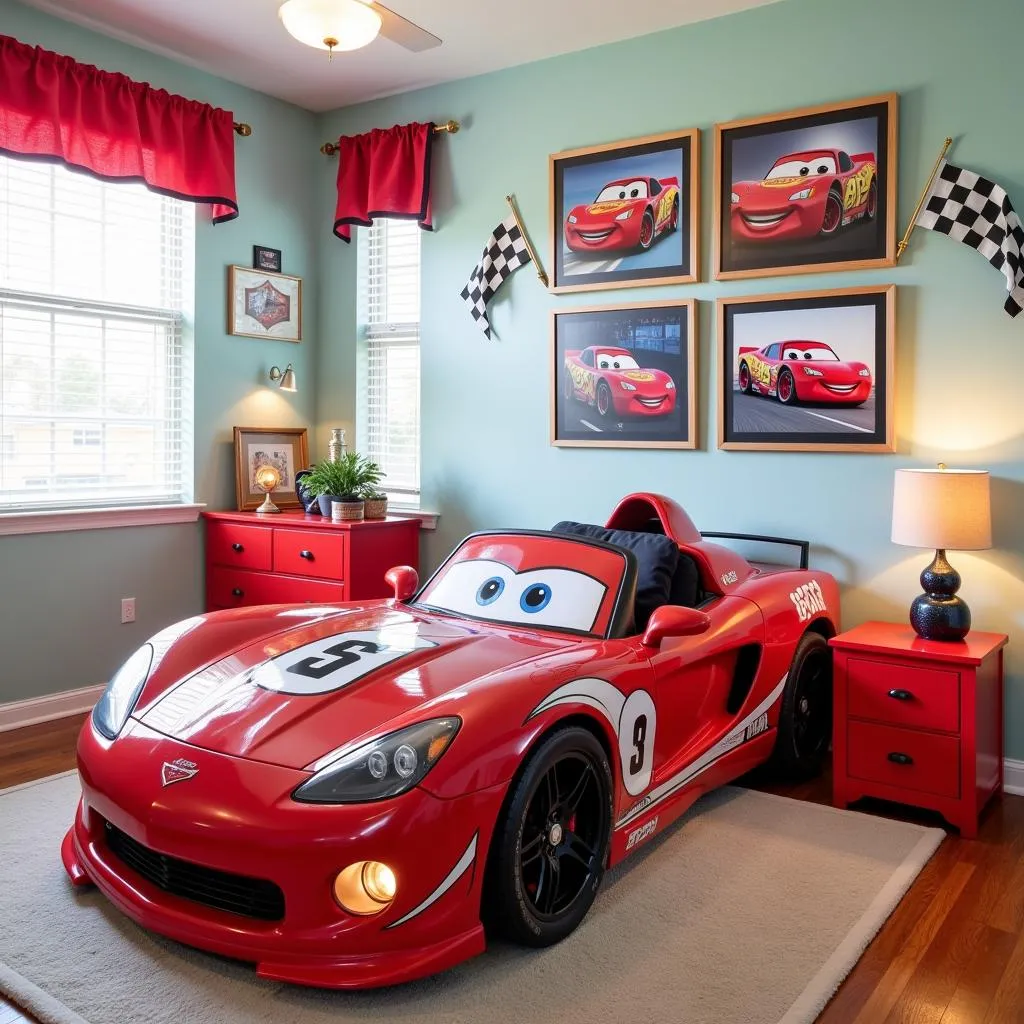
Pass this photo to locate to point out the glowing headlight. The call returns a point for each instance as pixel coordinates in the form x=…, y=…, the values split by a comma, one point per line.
x=382, y=768
x=669, y=384
x=735, y=198
x=626, y=386
x=864, y=373
x=625, y=215
x=805, y=193
x=366, y=887
x=811, y=372
x=572, y=218
x=118, y=700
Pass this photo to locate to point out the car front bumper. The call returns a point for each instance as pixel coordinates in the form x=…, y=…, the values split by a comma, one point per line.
x=238, y=817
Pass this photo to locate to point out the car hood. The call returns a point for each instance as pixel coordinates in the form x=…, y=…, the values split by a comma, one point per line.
x=291, y=697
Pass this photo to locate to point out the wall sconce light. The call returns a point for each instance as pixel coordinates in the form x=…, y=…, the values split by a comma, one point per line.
x=285, y=379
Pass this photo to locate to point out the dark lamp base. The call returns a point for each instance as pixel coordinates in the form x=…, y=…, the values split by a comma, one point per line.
x=938, y=614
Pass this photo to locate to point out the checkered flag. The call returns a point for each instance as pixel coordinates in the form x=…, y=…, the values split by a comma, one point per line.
x=505, y=251
x=977, y=212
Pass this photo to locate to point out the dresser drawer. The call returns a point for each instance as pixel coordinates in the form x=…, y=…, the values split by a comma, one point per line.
x=235, y=588
x=904, y=695
x=247, y=547
x=309, y=553
x=904, y=758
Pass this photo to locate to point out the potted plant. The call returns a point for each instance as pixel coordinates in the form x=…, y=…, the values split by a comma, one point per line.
x=375, y=502
x=345, y=481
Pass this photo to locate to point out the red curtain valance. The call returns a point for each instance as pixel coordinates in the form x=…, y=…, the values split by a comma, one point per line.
x=384, y=173
x=52, y=107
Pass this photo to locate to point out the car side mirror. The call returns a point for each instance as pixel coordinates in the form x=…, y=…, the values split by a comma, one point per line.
x=674, y=620
x=405, y=581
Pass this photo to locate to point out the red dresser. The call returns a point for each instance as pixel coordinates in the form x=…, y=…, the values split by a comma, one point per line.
x=294, y=557
x=918, y=721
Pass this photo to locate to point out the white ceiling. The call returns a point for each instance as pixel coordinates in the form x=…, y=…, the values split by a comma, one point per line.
x=244, y=41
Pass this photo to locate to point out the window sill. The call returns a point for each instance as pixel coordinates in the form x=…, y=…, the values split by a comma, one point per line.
x=65, y=520
x=428, y=520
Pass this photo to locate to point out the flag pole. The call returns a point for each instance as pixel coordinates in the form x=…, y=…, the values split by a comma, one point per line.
x=905, y=240
x=511, y=200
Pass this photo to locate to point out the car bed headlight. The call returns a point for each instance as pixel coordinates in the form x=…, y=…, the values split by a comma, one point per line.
x=382, y=768
x=118, y=700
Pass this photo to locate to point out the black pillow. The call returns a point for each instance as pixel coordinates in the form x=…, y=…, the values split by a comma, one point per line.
x=657, y=557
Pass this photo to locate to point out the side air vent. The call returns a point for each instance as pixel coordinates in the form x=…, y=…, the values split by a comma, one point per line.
x=747, y=660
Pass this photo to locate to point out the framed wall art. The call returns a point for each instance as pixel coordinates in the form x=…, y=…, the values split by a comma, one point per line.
x=626, y=213
x=264, y=258
x=264, y=305
x=285, y=449
x=623, y=376
x=809, y=190
x=808, y=371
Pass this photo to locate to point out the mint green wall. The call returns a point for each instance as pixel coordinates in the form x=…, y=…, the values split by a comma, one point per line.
x=486, y=457
x=60, y=593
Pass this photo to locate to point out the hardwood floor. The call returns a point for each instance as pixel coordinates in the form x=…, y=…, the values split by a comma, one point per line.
x=951, y=953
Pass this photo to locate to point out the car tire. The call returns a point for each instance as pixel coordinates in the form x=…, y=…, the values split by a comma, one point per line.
x=785, y=388
x=832, y=218
x=745, y=380
x=523, y=860
x=603, y=400
x=805, y=716
x=871, y=206
x=646, y=239
x=673, y=224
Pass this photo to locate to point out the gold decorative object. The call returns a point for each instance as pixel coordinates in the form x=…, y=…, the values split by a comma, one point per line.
x=449, y=127
x=267, y=478
x=511, y=200
x=905, y=240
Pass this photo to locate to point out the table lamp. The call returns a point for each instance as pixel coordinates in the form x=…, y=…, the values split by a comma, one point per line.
x=945, y=509
x=267, y=478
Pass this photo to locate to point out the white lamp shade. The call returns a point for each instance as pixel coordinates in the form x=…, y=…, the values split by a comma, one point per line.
x=942, y=508
x=350, y=22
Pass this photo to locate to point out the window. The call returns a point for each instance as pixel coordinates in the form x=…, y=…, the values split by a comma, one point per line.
x=95, y=279
x=390, y=405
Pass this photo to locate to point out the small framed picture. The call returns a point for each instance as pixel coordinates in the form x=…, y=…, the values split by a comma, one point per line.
x=266, y=259
x=810, y=190
x=808, y=372
x=626, y=214
x=623, y=376
x=264, y=305
x=285, y=449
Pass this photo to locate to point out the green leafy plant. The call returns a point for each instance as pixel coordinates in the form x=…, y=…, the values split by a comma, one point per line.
x=348, y=478
x=373, y=493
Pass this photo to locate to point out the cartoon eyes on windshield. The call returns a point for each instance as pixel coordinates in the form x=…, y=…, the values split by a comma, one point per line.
x=487, y=589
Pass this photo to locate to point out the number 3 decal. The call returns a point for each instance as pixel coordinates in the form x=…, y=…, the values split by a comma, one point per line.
x=636, y=741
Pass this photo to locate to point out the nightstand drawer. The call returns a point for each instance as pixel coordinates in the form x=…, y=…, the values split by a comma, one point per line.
x=904, y=695
x=306, y=553
x=247, y=547
x=904, y=758
x=236, y=588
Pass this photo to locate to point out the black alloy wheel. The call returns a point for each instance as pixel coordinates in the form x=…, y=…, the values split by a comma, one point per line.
x=549, y=852
x=805, y=717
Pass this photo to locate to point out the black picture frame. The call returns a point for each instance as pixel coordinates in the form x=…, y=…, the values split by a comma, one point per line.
x=264, y=258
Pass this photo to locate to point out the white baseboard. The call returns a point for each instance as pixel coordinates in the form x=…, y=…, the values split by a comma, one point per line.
x=18, y=713
x=1013, y=777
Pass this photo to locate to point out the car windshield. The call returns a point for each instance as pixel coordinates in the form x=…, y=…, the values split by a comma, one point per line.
x=806, y=350
x=631, y=190
x=540, y=581
x=802, y=165
x=616, y=361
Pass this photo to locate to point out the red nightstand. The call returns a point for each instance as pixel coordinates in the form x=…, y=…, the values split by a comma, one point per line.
x=918, y=721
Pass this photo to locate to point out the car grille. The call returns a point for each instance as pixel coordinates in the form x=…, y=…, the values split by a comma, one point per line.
x=237, y=894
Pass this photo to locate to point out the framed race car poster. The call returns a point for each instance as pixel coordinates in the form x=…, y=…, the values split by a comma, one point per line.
x=809, y=190
x=623, y=376
x=626, y=213
x=807, y=371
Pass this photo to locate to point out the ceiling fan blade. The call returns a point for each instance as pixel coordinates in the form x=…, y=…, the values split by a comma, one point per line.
x=404, y=32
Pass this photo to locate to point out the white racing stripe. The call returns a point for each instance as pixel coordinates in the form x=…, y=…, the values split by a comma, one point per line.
x=450, y=879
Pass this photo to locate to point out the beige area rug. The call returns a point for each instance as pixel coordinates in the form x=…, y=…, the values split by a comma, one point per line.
x=750, y=910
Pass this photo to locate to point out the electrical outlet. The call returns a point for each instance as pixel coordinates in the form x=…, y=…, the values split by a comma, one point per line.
x=127, y=609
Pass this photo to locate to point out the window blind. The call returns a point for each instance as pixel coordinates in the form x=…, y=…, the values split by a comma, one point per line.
x=392, y=398
x=95, y=278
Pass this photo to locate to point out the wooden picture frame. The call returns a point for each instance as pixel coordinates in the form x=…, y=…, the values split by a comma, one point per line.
x=635, y=240
x=840, y=340
x=625, y=407
x=787, y=214
x=262, y=304
x=285, y=448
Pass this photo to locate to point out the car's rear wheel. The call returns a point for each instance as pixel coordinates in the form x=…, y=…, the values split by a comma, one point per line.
x=744, y=376
x=673, y=224
x=647, y=230
x=805, y=717
x=549, y=852
x=604, y=399
x=833, y=218
x=871, y=207
x=785, y=388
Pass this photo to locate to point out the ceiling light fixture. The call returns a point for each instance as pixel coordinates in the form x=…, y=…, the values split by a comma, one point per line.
x=331, y=24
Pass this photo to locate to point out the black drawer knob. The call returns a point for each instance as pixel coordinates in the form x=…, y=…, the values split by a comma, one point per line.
x=308, y=555
x=237, y=547
x=238, y=592
x=901, y=695
x=897, y=758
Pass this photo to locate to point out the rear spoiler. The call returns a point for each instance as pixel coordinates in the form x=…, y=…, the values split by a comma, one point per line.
x=572, y=353
x=746, y=348
x=666, y=182
x=861, y=157
x=803, y=545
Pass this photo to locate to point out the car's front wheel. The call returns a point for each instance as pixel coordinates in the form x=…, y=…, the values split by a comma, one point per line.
x=549, y=851
x=647, y=230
